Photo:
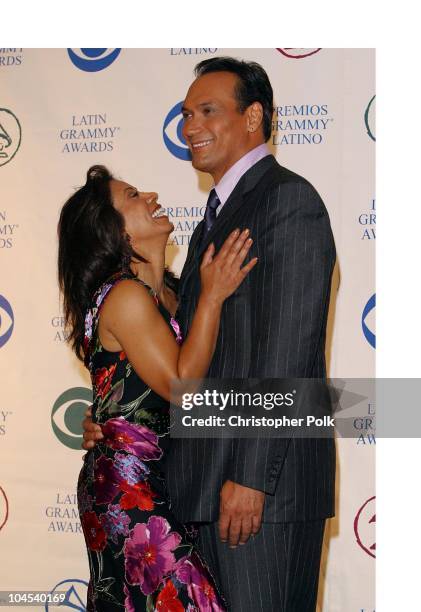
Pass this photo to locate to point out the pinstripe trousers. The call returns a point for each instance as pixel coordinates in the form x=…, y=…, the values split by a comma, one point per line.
x=276, y=571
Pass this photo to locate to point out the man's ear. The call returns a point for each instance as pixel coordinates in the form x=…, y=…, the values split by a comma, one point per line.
x=254, y=116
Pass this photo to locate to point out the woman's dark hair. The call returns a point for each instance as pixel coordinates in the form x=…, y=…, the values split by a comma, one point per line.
x=253, y=85
x=93, y=245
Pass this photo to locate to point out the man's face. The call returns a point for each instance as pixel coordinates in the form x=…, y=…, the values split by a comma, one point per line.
x=214, y=129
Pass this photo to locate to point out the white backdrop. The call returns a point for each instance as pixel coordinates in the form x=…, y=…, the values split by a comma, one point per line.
x=64, y=110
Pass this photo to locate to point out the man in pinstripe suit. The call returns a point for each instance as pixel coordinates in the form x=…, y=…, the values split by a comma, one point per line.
x=274, y=326
x=260, y=504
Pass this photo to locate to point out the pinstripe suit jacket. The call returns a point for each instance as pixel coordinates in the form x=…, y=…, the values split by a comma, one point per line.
x=273, y=326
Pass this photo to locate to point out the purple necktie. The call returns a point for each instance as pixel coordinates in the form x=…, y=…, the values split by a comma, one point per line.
x=210, y=213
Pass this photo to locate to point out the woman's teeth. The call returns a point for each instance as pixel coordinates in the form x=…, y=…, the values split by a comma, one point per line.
x=158, y=213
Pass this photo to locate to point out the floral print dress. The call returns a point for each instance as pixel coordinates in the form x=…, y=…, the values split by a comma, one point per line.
x=140, y=556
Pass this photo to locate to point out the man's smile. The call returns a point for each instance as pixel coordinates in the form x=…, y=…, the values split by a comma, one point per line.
x=201, y=144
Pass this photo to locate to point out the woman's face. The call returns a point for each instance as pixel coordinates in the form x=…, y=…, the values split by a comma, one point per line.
x=140, y=210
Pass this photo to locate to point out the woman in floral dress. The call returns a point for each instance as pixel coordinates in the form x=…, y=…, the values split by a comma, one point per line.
x=119, y=304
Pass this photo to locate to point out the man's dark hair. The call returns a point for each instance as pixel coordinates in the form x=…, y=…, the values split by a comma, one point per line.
x=253, y=85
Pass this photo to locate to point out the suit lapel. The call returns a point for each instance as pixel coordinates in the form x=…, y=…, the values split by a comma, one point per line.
x=194, y=242
x=197, y=247
x=231, y=205
x=247, y=182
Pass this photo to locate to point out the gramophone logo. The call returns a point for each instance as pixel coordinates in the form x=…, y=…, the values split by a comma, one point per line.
x=297, y=52
x=10, y=135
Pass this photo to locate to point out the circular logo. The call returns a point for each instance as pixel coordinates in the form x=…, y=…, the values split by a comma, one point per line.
x=172, y=131
x=364, y=527
x=296, y=53
x=93, y=60
x=369, y=335
x=76, y=595
x=67, y=415
x=4, y=508
x=370, y=118
x=7, y=320
x=10, y=135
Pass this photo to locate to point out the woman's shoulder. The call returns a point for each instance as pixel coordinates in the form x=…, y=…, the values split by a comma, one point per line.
x=125, y=292
x=121, y=295
x=119, y=284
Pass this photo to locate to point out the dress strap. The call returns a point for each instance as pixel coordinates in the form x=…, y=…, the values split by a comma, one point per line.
x=98, y=299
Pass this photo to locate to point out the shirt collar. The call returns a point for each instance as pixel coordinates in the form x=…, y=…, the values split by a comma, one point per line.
x=230, y=179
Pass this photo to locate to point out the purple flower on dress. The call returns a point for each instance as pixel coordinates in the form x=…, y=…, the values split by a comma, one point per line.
x=106, y=480
x=176, y=328
x=191, y=572
x=148, y=553
x=115, y=522
x=130, y=468
x=135, y=439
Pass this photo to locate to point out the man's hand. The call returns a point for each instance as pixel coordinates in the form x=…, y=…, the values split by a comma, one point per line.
x=91, y=431
x=241, y=510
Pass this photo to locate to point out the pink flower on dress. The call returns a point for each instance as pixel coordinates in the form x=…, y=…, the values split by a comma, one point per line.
x=135, y=439
x=191, y=572
x=148, y=553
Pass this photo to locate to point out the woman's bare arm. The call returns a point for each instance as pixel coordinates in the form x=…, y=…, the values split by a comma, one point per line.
x=131, y=316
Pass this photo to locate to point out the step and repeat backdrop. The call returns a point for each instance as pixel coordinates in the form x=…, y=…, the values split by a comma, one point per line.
x=62, y=110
